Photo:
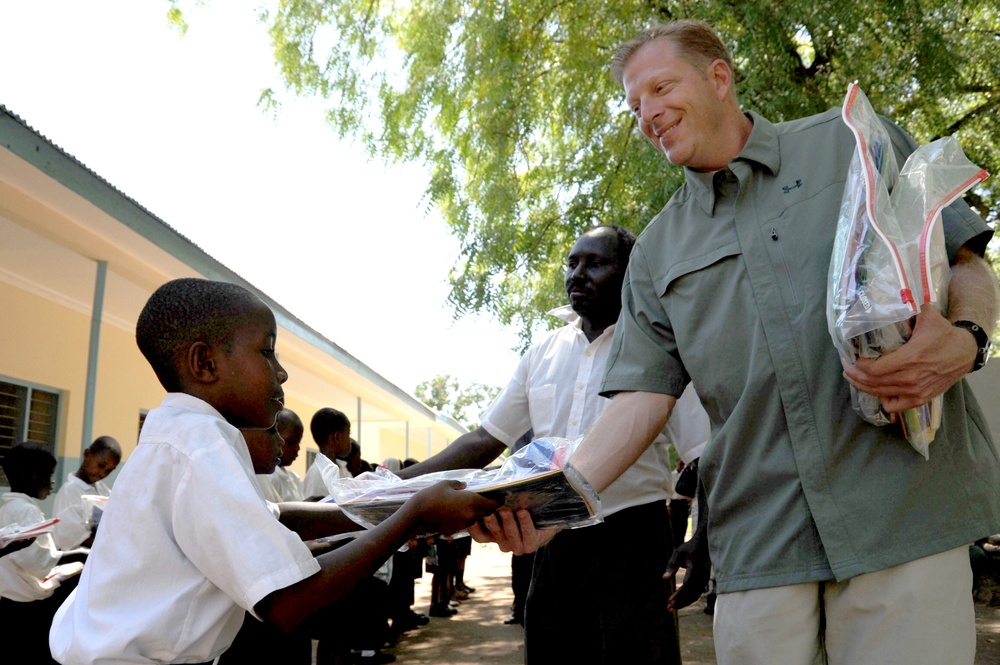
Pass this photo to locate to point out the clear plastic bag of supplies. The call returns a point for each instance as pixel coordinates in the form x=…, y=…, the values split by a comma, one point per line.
x=532, y=478
x=15, y=532
x=889, y=257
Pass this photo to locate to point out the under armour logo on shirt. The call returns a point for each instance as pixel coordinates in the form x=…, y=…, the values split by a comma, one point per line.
x=787, y=188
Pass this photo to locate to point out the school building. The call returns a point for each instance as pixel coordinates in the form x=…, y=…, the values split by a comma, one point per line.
x=78, y=260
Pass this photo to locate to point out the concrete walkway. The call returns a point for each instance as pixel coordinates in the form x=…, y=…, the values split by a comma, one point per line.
x=477, y=633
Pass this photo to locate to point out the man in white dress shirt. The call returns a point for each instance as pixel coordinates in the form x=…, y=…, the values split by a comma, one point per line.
x=597, y=594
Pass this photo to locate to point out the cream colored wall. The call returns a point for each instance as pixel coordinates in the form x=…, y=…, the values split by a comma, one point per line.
x=47, y=348
x=382, y=440
x=50, y=348
x=305, y=412
x=126, y=385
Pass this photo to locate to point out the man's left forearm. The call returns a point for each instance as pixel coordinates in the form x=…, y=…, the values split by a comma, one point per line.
x=972, y=293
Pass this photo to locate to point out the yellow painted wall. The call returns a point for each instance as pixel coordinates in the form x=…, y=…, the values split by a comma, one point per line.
x=126, y=385
x=49, y=349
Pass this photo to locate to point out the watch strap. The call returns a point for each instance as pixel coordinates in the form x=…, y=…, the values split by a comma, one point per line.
x=983, y=344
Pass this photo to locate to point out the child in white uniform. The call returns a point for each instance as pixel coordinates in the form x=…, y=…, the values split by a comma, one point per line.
x=76, y=525
x=30, y=592
x=188, y=542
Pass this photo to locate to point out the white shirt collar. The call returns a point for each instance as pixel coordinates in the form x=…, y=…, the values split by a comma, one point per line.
x=566, y=314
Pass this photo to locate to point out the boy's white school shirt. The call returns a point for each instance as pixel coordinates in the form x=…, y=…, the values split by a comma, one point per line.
x=187, y=543
x=23, y=573
x=315, y=485
x=288, y=484
x=74, y=519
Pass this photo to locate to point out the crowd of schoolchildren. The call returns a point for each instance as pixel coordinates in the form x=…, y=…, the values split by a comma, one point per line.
x=212, y=545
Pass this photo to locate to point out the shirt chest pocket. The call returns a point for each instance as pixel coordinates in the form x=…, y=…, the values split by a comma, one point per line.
x=711, y=308
x=699, y=294
x=542, y=407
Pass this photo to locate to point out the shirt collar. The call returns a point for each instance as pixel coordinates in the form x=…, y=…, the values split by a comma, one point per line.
x=191, y=403
x=566, y=314
x=761, y=147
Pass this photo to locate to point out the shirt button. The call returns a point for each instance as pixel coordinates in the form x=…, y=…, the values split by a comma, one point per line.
x=579, y=386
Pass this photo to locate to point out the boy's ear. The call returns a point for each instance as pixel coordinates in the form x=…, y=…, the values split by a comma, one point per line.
x=201, y=363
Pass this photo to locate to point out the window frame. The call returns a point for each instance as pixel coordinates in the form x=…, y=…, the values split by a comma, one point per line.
x=25, y=417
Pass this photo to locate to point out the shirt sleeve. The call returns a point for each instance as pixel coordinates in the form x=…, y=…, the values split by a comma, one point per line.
x=643, y=353
x=508, y=416
x=37, y=559
x=962, y=226
x=688, y=427
x=315, y=485
x=227, y=531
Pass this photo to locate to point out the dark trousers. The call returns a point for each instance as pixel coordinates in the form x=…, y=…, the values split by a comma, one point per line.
x=680, y=509
x=26, y=625
x=520, y=581
x=359, y=621
x=597, y=594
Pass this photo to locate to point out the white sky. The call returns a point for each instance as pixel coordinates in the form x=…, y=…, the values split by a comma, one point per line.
x=348, y=246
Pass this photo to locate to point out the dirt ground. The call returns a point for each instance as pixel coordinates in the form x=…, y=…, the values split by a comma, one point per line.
x=477, y=634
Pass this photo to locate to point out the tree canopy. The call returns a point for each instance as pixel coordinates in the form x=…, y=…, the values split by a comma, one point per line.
x=464, y=403
x=510, y=105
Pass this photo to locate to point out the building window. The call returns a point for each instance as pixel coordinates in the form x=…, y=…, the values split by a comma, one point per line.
x=27, y=413
x=142, y=421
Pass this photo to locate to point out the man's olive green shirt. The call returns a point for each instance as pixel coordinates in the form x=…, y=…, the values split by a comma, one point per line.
x=727, y=288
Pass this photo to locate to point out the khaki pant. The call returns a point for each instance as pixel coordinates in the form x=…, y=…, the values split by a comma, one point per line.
x=915, y=613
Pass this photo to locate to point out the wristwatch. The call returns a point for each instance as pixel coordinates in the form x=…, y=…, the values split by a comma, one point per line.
x=983, y=343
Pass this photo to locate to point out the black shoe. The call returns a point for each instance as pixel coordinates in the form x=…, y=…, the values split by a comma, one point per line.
x=464, y=587
x=409, y=621
x=442, y=611
x=514, y=620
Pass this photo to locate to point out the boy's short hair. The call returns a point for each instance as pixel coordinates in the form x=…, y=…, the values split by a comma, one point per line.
x=288, y=419
x=27, y=459
x=327, y=421
x=185, y=311
x=106, y=444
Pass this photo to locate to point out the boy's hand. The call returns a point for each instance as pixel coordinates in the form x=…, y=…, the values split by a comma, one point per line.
x=15, y=546
x=512, y=533
x=444, y=508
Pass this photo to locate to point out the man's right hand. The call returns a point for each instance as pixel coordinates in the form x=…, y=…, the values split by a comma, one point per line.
x=512, y=533
x=692, y=556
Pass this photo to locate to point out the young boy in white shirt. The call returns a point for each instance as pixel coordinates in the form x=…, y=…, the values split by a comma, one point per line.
x=30, y=591
x=286, y=482
x=76, y=524
x=187, y=541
